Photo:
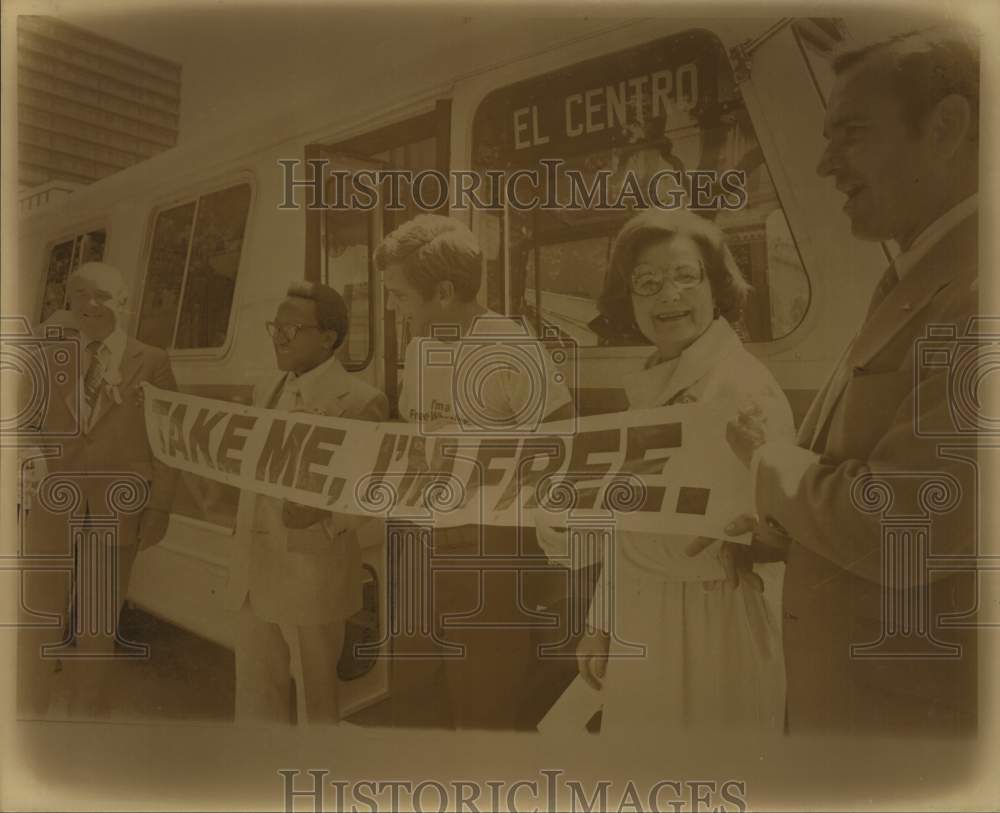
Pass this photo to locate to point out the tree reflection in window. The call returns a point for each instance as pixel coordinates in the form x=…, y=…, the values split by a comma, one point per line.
x=64, y=258
x=191, y=276
x=348, y=249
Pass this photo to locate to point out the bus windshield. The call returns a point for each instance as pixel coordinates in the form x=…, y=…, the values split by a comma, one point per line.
x=672, y=104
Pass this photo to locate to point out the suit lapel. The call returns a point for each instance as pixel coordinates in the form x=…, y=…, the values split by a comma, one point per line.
x=131, y=363
x=956, y=252
x=129, y=367
x=328, y=393
x=940, y=267
x=820, y=407
x=273, y=391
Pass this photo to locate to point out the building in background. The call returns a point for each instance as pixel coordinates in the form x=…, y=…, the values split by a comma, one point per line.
x=87, y=107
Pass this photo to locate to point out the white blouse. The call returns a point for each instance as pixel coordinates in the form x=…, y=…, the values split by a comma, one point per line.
x=714, y=366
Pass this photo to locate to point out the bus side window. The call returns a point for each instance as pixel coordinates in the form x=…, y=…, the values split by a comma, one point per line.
x=191, y=273
x=348, y=269
x=64, y=258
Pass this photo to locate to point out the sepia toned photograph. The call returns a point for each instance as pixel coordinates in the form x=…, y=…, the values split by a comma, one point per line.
x=487, y=407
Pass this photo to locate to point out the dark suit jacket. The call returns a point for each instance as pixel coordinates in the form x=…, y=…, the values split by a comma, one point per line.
x=115, y=439
x=823, y=498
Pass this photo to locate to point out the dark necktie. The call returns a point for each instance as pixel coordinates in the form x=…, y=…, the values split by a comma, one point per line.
x=92, y=378
x=889, y=281
x=843, y=372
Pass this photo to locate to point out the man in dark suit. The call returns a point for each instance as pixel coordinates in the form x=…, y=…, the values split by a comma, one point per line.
x=105, y=497
x=866, y=646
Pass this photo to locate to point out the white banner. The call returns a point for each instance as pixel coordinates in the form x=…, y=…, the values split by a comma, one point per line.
x=664, y=470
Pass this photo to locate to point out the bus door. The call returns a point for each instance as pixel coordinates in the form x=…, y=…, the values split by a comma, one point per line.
x=340, y=243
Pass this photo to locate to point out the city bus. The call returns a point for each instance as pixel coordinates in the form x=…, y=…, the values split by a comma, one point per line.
x=209, y=243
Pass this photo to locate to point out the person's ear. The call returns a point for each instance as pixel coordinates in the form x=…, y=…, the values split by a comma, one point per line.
x=951, y=124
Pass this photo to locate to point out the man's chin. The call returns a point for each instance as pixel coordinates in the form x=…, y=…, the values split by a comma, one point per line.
x=866, y=230
x=93, y=329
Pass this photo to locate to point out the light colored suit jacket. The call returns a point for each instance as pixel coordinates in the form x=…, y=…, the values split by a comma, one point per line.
x=310, y=575
x=834, y=579
x=114, y=440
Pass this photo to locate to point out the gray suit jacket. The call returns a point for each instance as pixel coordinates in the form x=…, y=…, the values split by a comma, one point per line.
x=115, y=440
x=878, y=426
x=309, y=575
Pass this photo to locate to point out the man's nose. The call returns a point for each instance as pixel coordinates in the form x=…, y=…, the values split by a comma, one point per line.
x=827, y=163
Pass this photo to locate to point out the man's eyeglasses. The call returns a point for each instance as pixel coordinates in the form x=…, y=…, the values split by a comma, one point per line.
x=647, y=280
x=285, y=332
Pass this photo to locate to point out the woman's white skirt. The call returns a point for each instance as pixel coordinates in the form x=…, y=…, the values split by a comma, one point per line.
x=695, y=655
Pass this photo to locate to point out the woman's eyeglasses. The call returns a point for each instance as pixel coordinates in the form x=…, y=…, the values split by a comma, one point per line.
x=285, y=332
x=647, y=280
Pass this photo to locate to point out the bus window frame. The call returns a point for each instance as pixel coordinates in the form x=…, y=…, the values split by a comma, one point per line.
x=566, y=234
x=191, y=194
x=433, y=123
x=317, y=237
x=99, y=222
x=495, y=80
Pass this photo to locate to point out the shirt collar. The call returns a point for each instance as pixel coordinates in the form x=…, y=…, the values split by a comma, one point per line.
x=115, y=343
x=925, y=241
x=312, y=382
x=661, y=380
x=112, y=348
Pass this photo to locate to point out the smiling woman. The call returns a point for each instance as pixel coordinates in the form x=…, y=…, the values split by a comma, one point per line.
x=671, y=276
x=674, y=282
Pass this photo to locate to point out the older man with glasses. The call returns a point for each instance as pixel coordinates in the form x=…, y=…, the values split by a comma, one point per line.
x=103, y=457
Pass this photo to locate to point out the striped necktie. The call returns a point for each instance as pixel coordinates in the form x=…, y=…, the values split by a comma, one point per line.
x=95, y=371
